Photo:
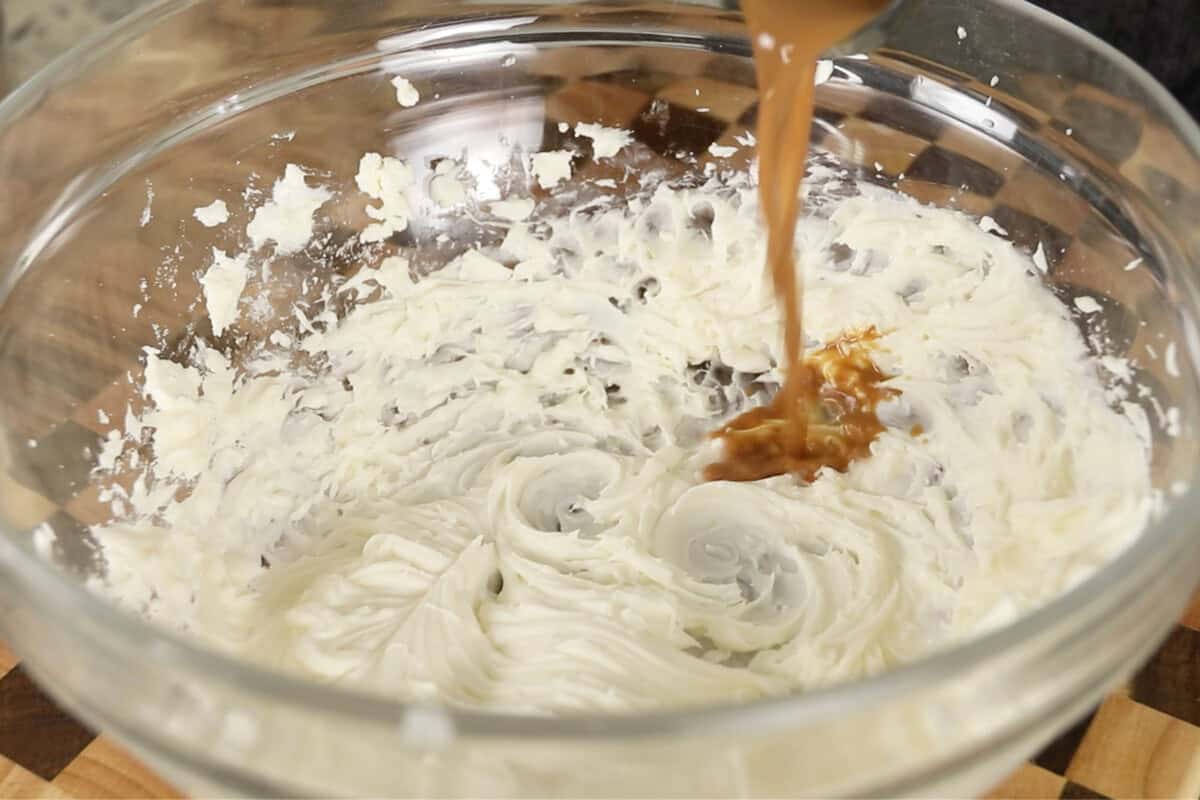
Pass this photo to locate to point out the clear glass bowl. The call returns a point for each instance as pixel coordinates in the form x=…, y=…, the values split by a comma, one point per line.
x=992, y=107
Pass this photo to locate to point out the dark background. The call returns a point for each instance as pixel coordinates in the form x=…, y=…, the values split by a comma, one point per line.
x=1161, y=35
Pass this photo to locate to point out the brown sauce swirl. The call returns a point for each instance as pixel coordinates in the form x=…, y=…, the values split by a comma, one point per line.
x=824, y=414
x=839, y=418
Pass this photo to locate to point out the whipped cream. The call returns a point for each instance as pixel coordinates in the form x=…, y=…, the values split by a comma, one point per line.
x=606, y=142
x=552, y=167
x=287, y=219
x=406, y=94
x=481, y=484
x=386, y=180
x=214, y=214
x=223, y=284
x=446, y=187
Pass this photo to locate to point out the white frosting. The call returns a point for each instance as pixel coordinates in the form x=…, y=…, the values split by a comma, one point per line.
x=386, y=180
x=1039, y=259
x=406, y=93
x=482, y=486
x=147, y=211
x=214, y=214
x=287, y=220
x=512, y=210
x=985, y=223
x=446, y=186
x=606, y=142
x=223, y=284
x=551, y=167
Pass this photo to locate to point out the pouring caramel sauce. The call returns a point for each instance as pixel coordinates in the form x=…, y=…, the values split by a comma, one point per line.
x=824, y=414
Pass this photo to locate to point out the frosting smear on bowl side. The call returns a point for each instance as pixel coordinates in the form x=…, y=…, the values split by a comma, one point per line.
x=483, y=483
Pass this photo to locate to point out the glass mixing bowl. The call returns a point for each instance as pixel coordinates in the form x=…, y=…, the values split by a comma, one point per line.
x=992, y=107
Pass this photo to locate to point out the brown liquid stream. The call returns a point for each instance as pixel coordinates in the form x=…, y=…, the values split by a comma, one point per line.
x=824, y=415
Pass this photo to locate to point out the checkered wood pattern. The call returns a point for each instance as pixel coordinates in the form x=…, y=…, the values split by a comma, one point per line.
x=44, y=753
x=1143, y=741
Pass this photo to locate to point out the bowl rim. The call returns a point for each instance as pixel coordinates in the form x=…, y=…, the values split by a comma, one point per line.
x=77, y=605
